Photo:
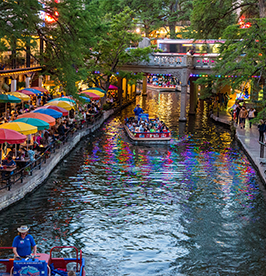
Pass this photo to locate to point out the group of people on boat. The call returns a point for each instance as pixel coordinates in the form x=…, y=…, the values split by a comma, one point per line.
x=146, y=125
x=139, y=124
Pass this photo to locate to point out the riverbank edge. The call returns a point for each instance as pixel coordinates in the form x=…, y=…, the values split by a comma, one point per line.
x=20, y=190
x=241, y=140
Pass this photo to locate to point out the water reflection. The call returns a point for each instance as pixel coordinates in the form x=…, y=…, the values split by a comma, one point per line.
x=193, y=207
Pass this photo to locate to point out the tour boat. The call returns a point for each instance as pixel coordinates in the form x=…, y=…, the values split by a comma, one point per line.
x=148, y=137
x=43, y=264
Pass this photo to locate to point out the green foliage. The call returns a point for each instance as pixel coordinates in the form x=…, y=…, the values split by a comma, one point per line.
x=106, y=106
x=243, y=54
x=210, y=18
x=18, y=20
x=207, y=87
x=110, y=51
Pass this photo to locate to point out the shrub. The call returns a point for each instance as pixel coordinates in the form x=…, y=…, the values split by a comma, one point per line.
x=106, y=106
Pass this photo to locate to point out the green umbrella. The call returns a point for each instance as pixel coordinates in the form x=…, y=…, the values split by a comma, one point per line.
x=4, y=98
x=40, y=124
x=9, y=99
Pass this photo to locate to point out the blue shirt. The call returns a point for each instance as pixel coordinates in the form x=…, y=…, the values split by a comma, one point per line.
x=138, y=110
x=31, y=154
x=9, y=162
x=23, y=245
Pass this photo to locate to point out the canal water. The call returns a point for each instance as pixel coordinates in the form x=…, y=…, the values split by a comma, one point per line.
x=194, y=207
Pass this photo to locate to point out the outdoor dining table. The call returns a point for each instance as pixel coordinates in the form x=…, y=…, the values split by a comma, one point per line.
x=7, y=170
x=22, y=163
x=42, y=148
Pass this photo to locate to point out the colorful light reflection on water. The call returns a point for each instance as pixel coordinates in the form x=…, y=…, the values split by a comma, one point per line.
x=191, y=208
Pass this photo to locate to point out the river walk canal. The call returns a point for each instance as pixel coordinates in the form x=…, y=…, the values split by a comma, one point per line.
x=194, y=207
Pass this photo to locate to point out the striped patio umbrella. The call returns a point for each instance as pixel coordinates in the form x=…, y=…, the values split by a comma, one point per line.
x=56, y=108
x=40, y=124
x=50, y=120
x=94, y=92
x=92, y=96
x=35, y=91
x=20, y=127
x=27, y=92
x=21, y=96
x=64, y=99
x=40, y=89
x=63, y=104
x=53, y=113
x=97, y=89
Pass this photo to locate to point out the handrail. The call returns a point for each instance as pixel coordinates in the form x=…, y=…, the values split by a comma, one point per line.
x=262, y=145
x=77, y=253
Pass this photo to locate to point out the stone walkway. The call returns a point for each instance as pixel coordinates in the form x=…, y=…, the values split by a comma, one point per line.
x=248, y=137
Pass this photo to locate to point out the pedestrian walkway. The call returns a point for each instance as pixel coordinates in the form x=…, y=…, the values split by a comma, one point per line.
x=249, y=139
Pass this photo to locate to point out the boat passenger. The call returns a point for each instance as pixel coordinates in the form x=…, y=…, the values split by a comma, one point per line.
x=23, y=243
x=165, y=129
x=141, y=127
x=152, y=129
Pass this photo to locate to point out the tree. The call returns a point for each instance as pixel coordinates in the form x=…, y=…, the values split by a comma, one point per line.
x=176, y=13
x=18, y=20
x=210, y=18
x=67, y=41
x=111, y=49
x=243, y=55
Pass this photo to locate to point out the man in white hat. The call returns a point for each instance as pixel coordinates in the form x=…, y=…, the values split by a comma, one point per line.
x=23, y=243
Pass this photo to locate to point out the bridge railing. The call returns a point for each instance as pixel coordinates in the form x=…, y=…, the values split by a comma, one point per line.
x=204, y=62
x=160, y=59
x=181, y=60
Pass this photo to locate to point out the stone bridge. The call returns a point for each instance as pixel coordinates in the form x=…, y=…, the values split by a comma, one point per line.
x=183, y=67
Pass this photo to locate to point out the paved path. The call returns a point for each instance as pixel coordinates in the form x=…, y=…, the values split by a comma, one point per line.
x=248, y=137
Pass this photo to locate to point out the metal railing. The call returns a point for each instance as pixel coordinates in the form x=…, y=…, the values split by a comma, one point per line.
x=262, y=146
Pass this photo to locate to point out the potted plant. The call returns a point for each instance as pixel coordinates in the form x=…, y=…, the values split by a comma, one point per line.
x=27, y=171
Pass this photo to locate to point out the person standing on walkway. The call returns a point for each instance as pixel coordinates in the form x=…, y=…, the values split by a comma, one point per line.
x=243, y=114
x=237, y=110
x=262, y=128
x=251, y=115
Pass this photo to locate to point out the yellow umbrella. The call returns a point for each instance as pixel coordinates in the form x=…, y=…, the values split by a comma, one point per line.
x=95, y=92
x=20, y=127
x=63, y=104
x=19, y=95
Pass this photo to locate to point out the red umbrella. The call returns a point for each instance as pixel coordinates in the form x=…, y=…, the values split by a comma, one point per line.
x=54, y=107
x=27, y=92
x=92, y=95
x=40, y=89
x=112, y=87
x=11, y=136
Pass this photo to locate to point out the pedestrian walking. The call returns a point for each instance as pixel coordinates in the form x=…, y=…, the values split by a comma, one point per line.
x=243, y=114
x=262, y=128
x=251, y=115
x=237, y=111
